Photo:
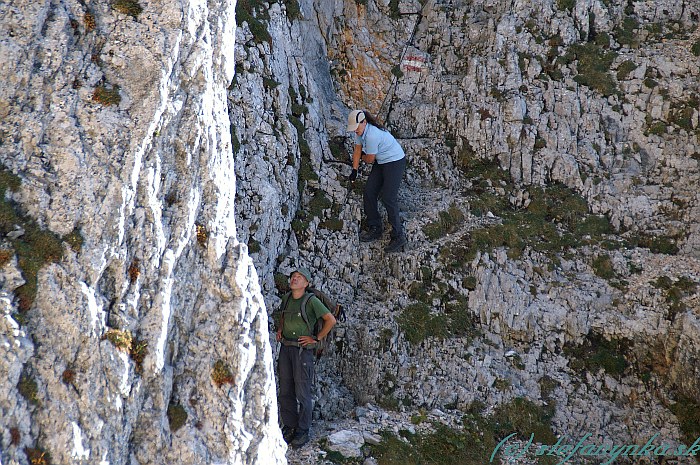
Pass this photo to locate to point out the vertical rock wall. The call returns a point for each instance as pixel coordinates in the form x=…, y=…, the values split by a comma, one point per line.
x=113, y=119
x=597, y=97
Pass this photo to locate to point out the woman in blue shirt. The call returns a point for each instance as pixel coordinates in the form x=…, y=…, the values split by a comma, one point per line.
x=375, y=145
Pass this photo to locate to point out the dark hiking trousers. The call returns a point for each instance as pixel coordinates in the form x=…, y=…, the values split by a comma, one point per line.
x=296, y=374
x=384, y=179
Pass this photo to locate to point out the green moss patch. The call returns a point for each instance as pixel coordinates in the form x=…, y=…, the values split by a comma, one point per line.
x=626, y=33
x=253, y=246
x=681, y=113
x=75, y=240
x=443, y=446
x=177, y=416
x=300, y=225
x=483, y=171
x=281, y=282
x=418, y=322
x=337, y=148
x=448, y=221
x=695, y=48
x=460, y=321
x=603, y=267
x=593, y=67
x=656, y=244
x=625, y=68
x=306, y=170
x=254, y=13
x=566, y=5
x=394, y=11
x=128, y=7
x=234, y=139
x=675, y=292
x=269, y=83
x=524, y=417
x=293, y=9
x=687, y=411
x=318, y=203
x=332, y=224
x=28, y=388
x=596, y=353
x=657, y=128
x=221, y=374
x=35, y=248
x=106, y=96
x=470, y=443
x=555, y=220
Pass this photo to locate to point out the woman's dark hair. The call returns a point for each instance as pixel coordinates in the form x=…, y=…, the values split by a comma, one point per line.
x=371, y=119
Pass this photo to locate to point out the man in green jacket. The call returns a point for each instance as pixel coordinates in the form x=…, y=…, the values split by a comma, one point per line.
x=296, y=359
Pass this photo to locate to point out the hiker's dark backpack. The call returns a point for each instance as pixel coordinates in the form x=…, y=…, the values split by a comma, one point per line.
x=333, y=307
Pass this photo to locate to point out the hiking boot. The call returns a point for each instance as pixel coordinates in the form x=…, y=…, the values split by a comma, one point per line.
x=301, y=437
x=287, y=434
x=396, y=244
x=371, y=234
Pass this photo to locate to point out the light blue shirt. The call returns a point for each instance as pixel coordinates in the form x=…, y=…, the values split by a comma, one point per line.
x=380, y=143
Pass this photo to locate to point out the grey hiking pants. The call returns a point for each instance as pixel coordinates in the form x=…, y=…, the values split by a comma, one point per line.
x=384, y=179
x=296, y=375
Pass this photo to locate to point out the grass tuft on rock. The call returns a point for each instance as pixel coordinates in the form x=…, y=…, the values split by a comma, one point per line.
x=138, y=352
x=657, y=244
x=593, y=67
x=221, y=374
x=90, y=23
x=524, y=417
x=15, y=436
x=34, y=249
x=128, y=7
x=625, y=68
x=555, y=220
x=202, y=234
x=177, y=417
x=470, y=443
x=293, y=9
x=695, y=48
x=597, y=353
x=74, y=239
x=448, y=221
x=37, y=456
x=106, y=96
x=566, y=5
x=68, y=376
x=687, y=410
x=418, y=323
x=675, y=292
x=28, y=388
x=603, y=267
x=253, y=13
x=121, y=339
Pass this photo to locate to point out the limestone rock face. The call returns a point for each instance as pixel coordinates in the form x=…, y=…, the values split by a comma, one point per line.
x=598, y=99
x=114, y=127
x=164, y=171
